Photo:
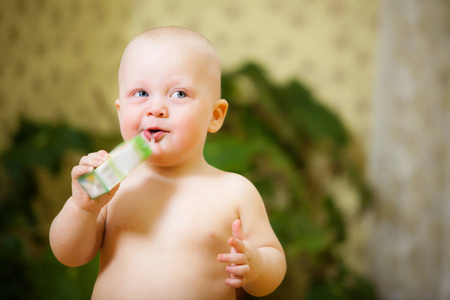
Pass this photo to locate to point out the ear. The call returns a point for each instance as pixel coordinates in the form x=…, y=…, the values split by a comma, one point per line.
x=117, y=106
x=218, y=115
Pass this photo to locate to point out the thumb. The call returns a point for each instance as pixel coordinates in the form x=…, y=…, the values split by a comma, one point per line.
x=236, y=229
x=104, y=199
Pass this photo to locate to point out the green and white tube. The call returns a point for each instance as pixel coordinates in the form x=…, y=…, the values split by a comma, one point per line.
x=122, y=161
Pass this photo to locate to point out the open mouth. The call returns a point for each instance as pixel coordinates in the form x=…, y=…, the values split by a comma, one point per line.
x=155, y=134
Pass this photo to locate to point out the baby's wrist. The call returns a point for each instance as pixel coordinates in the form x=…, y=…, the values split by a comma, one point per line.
x=90, y=210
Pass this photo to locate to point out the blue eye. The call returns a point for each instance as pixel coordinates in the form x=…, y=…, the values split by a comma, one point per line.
x=179, y=94
x=141, y=94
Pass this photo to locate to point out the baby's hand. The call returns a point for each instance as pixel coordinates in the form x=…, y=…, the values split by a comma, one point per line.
x=87, y=164
x=244, y=259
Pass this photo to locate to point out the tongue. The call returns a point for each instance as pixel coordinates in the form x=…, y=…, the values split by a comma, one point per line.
x=156, y=135
x=149, y=135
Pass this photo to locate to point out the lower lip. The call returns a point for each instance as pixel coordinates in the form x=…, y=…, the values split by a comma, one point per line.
x=157, y=136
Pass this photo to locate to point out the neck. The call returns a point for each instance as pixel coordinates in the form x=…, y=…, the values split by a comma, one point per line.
x=192, y=167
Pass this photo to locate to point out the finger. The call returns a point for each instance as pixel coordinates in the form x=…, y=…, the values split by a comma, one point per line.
x=237, y=244
x=233, y=258
x=93, y=160
x=77, y=171
x=234, y=282
x=103, y=153
x=238, y=270
x=107, y=197
x=236, y=229
x=113, y=191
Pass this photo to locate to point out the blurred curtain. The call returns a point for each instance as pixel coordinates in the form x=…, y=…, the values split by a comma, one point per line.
x=409, y=160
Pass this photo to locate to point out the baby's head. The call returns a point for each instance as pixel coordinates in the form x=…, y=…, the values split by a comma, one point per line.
x=169, y=77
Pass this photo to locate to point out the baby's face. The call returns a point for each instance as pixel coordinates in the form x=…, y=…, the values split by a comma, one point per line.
x=167, y=91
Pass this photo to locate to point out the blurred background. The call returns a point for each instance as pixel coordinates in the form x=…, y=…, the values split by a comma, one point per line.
x=339, y=115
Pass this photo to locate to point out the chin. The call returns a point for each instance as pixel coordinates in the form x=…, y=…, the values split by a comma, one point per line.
x=158, y=161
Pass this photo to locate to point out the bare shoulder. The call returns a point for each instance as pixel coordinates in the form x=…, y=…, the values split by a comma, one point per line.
x=237, y=185
x=235, y=179
x=241, y=192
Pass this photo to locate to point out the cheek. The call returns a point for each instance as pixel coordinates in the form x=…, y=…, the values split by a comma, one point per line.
x=194, y=129
x=129, y=124
x=196, y=122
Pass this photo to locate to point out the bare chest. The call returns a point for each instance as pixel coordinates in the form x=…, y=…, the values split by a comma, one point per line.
x=189, y=218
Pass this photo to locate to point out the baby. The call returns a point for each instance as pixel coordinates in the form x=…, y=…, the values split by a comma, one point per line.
x=176, y=227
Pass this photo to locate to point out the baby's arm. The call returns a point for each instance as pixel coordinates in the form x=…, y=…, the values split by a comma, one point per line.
x=76, y=233
x=256, y=261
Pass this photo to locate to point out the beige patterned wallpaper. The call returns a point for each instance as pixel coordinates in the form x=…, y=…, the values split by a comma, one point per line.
x=59, y=59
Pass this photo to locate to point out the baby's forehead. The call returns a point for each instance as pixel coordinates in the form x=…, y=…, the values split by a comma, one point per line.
x=175, y=48
x=163, y=37
x=173, y=41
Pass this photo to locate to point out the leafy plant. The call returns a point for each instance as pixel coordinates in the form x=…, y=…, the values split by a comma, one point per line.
x=28, y=269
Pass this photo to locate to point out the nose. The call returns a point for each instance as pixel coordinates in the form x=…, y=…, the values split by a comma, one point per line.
x=157, y=108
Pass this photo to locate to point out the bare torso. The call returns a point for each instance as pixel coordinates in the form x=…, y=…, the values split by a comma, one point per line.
x=162, y=239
